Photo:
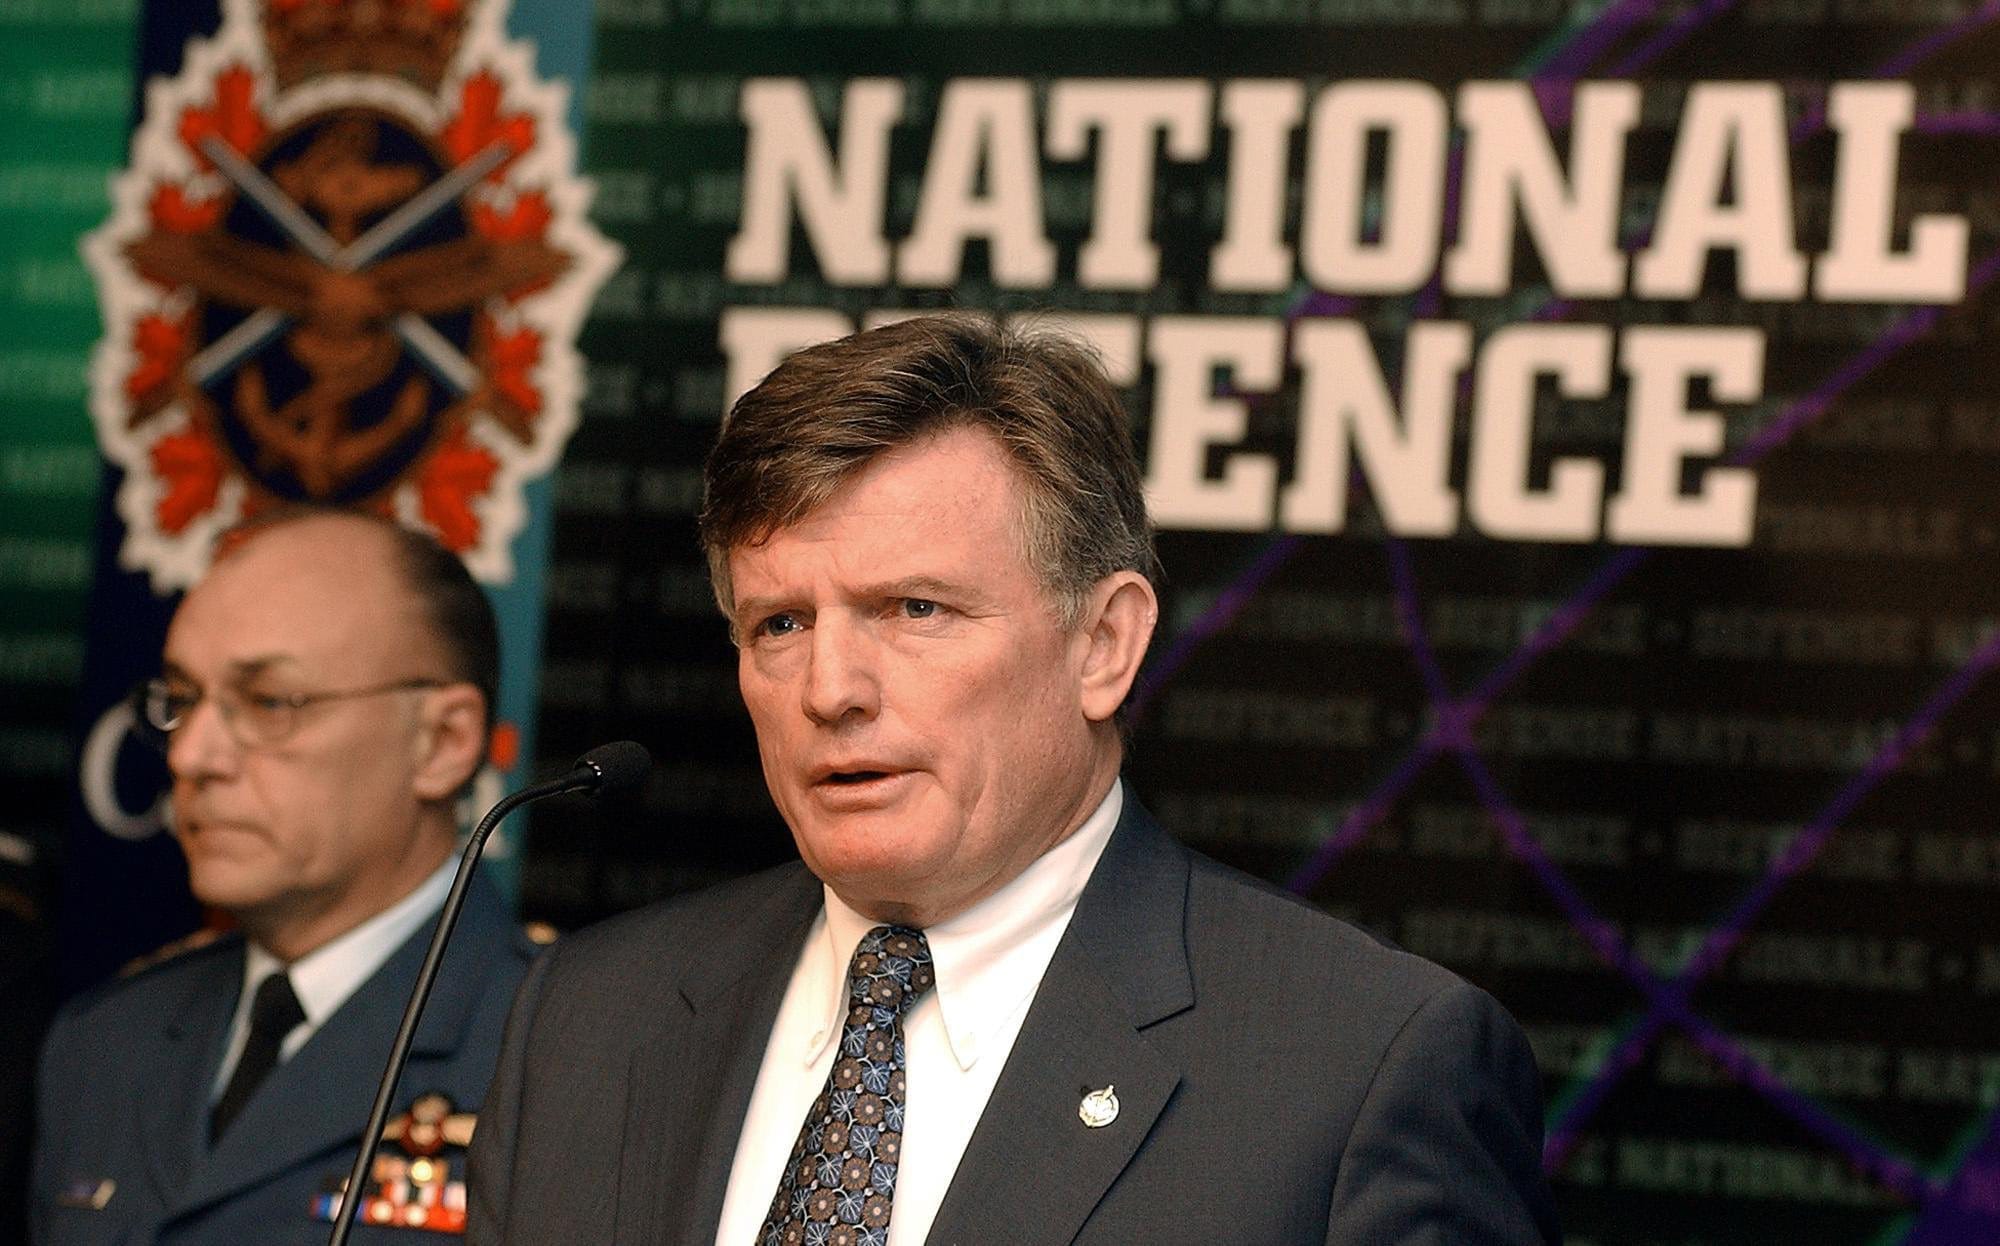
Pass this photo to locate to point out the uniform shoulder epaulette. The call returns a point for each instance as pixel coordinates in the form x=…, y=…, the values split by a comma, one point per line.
x=185, y=945
x=539, y=934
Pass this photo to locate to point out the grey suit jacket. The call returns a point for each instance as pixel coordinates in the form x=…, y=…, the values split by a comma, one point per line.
x=126, y=1073
x=1283, y=1078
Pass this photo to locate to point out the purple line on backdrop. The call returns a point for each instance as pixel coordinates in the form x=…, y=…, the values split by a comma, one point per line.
x=1219, y=615
x=1560, y=625
x=1669, y=1005
x=1808, y=843
x=1365, y=816
x=1598, y=932
x=1805, y=846
x=1976, y=124
x=1591, y=40
x=1410, y=615
x=1906, y=58
x=1565, y=1133
x=1969, y=1208
x=1805, y=410
x=1886, y=1169
x=1669, y=1002
x=1563, y=623
x=1669, y=37
x=1929, y=45
x=1318, y=303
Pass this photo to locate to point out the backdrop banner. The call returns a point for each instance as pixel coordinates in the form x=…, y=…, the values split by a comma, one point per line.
x=1572, y=434
x=346, y=263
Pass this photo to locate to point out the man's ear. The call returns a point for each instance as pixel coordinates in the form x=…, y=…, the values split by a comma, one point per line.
x=1117, y=627
x=451, y=741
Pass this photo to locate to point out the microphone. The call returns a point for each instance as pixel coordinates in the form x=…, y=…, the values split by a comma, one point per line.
x=609, y=770
x=617, y=770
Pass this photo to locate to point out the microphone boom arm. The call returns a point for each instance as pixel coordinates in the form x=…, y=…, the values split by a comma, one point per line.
x=610, y=767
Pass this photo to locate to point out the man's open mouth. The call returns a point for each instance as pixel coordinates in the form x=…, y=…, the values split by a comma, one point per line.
x=848, y=777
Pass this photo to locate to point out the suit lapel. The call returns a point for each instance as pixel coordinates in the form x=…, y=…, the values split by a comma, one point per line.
x=317, y=1101
x=690, y=1089
x=173, y=1123
x=1121, y=967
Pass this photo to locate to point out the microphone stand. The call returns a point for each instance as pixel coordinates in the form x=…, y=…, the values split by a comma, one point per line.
x=585, y=775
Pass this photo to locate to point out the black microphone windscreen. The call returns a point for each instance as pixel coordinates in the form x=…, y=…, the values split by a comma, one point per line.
x=621, y=767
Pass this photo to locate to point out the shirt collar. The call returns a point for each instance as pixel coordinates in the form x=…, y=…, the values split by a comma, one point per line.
x=988, y=959
x=324, y=977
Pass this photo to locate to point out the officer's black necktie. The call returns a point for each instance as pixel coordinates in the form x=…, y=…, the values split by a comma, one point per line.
x=274, y=1011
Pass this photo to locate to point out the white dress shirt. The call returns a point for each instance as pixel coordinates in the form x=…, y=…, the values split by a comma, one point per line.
x=324, y=977
x=989, y=960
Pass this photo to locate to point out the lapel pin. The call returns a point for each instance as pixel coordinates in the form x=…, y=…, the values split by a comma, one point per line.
x=1099, y=1108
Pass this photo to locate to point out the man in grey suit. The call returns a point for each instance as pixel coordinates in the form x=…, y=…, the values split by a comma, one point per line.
x=325, y=699
x=995, y=1002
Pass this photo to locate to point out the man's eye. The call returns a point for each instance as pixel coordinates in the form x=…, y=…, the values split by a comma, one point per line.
x=919, y=608
x=778, y=625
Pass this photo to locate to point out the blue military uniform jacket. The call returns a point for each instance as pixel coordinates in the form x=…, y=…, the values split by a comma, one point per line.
x=122, y=1151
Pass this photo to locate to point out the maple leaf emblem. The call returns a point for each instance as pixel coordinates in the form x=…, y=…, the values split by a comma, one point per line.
x=190, y=467
x=172, y=209
x=234, y=117
x=480, y=123
x=161, y=343
x=528, y=217
x=456, y=473
x=509, y=356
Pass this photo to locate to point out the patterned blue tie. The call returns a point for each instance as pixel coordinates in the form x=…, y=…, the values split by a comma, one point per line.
x=841, y=1176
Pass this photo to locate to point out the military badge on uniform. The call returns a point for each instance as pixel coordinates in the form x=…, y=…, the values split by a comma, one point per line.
x=347, y=265
x=413, y=1184
x=429, y=1126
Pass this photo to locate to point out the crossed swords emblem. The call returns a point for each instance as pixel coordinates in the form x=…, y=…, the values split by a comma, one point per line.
x=351, y=311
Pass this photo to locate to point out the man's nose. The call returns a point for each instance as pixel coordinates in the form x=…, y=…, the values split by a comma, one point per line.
x=203, y=745
x=841, y=678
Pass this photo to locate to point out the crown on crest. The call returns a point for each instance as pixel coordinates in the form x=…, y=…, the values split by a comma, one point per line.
x=413, y=40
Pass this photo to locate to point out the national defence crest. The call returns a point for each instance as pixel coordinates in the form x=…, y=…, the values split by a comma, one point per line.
x=347, y=265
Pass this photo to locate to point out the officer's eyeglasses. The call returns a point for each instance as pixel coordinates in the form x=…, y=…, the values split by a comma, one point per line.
x=255, y=719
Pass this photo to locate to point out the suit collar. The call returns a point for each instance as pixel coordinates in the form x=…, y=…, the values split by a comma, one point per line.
x=764, y=939
x=1122, y=966
x=1131, y=921
x=689, y=1085
x=989, y=959
x=314, y=1103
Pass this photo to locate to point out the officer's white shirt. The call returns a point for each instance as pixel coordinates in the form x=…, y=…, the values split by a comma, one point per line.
x=324, y=977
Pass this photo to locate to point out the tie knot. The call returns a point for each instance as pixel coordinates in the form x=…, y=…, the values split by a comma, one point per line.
x=275, y=1008
x=891, y=969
